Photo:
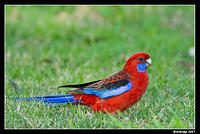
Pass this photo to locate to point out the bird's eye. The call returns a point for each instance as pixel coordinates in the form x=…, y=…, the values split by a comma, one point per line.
x=141, y=59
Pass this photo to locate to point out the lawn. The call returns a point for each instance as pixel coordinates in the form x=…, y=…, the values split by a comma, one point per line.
x=49, y=46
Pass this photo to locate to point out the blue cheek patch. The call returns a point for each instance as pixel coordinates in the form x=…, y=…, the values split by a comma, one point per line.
x=141, y=67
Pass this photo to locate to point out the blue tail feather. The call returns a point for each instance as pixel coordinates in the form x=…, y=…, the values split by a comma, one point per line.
x=62, y=103
x=52, y=99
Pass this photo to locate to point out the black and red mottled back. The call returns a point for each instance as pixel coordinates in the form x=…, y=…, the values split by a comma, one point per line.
x=112, y=82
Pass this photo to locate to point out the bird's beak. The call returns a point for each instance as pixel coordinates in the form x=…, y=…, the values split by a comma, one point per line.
x=148, y=62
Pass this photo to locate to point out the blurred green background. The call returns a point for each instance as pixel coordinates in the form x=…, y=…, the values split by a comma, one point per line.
x=48, y=46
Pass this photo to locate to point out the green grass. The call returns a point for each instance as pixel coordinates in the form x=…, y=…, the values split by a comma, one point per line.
x=48, y=46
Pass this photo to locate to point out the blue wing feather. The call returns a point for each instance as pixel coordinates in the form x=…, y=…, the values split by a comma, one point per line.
x=107, y=93
x=113, y=85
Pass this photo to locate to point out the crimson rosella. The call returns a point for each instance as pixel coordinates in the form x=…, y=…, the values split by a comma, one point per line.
x=116, y=92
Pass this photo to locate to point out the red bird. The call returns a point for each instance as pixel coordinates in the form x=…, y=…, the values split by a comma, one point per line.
x=116, y=92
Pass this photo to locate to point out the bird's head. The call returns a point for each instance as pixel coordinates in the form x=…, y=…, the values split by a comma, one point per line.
x=139, y=62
